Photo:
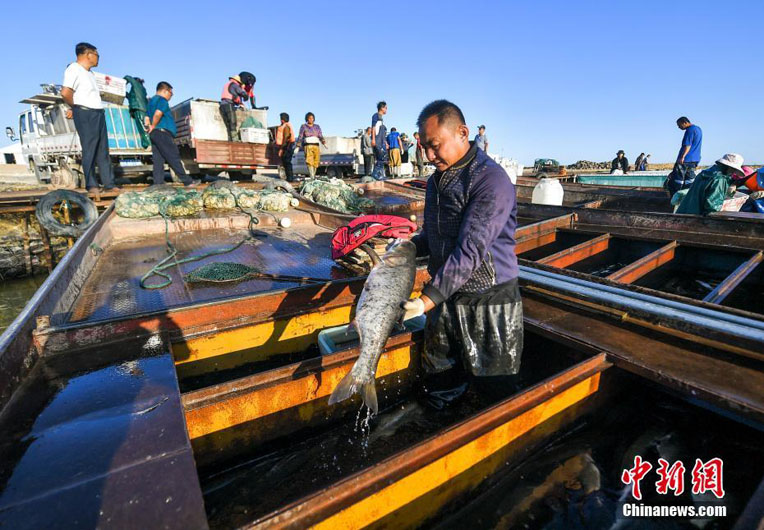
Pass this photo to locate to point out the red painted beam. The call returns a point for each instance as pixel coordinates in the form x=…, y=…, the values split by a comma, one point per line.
x=634, y=271
x=577, y=253
x=718, y=295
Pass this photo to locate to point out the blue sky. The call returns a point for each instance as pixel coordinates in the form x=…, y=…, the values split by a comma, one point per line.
x=562, y=79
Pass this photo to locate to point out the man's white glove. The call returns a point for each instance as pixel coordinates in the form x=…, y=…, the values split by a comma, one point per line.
x=413, y=307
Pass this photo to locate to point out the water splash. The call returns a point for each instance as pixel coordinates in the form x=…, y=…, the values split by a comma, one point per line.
x=363, y=425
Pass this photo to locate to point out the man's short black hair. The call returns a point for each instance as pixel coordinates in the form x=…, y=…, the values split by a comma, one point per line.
x=310, y=114
x=163, y=85
x=683, y=119
x=444, y=110
x=83, y=47
x=284, y=116
x=393, y=129
x=381, y=105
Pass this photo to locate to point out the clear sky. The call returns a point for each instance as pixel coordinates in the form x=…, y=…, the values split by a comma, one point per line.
x=563, y=79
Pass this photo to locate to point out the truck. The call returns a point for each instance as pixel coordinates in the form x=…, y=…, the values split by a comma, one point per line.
x=203, y=140
x=50, y=145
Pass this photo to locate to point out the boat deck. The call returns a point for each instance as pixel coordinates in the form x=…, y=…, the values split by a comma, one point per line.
x=112, y=290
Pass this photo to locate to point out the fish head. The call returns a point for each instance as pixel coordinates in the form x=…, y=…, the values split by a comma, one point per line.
x=400, y=252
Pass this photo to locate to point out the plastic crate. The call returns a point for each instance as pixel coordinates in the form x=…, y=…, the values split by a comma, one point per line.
x=332, y=340
x=252, y=135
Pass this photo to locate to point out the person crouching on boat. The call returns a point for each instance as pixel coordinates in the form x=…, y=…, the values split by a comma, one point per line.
x=710, y=188
x=474, y=312
x=309, y=138
x=620, y=164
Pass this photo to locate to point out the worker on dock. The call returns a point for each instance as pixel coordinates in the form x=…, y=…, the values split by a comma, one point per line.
x=619, y=164
x=379, y=140
x=368, y=152
x=81, y=93
x=474, y=311
x=419, y=156
x=481, y=140
x=248, y=81
x=638, y=162
x=711, y=187
x=232, y=97
x=162, y=132
x=395, y=148
x=309, y=138
x=683, y=174
x=285, y=141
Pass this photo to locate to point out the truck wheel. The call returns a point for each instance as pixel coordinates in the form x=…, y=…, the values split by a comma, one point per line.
x=50, y=201
x=334, y=172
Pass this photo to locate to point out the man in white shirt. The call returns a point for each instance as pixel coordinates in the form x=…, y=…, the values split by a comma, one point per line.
x=81, y=93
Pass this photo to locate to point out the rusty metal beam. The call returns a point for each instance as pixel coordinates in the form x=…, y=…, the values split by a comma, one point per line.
x=448, y=463
x=722, y=290
x=642, y=266
x=211, y=317
x=540, y=233
x=577, y=253
x=686, y=365
x=238, y=415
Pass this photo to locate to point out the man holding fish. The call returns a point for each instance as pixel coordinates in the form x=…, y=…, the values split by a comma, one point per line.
x=474, y=311
x=474, y=324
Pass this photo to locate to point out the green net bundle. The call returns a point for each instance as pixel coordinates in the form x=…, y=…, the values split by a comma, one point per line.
x=181, y=204
x=136, y=205
x=219, y=199
x=274, y=201
x=335, y=194
x=247, y=198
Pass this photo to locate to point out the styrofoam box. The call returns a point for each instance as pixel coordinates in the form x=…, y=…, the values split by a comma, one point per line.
x=254, y=135
x=112, y=88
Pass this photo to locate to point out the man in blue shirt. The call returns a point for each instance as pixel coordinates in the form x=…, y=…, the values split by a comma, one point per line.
x=162, y=130
x=683, y=174
x=379, y=141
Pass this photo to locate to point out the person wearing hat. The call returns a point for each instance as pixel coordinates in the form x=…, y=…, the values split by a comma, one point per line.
x=233, y=96
x=619, y=163
x=711, y=187
x=481, y=140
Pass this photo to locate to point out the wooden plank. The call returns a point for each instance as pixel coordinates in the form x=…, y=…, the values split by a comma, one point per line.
x=634, y=271
x=722, y=290
x=577, y=253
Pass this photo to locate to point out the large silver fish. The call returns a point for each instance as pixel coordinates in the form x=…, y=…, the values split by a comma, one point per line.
x=390, y=282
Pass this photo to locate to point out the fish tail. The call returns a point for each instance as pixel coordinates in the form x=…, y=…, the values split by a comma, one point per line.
x=369, y=393
x=349, y=386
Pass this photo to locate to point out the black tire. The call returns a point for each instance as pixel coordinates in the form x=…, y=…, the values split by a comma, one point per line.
x=334, y=172
x=44, y=213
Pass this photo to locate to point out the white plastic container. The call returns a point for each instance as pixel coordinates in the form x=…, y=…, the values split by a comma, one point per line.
x=335, y=339
x=548, y=191
x=253, y=135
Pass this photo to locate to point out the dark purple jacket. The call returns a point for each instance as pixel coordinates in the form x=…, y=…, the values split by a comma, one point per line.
x=470, y=216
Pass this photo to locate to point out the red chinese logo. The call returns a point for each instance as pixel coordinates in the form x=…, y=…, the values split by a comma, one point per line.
x=672, y=478
x=708, y=477
x=634, y=475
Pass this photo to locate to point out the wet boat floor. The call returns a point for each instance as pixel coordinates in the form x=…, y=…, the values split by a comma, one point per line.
x=113, y=289
x=285, y=471
x=574, y=482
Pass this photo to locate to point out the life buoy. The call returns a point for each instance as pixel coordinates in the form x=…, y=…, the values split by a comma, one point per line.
x=44, y=213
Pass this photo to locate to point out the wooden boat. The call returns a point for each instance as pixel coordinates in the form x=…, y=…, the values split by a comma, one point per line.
x=125, y=409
